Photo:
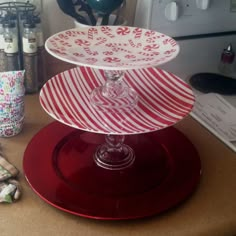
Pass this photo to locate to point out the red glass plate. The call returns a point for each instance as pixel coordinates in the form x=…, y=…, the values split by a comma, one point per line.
x=58, y=164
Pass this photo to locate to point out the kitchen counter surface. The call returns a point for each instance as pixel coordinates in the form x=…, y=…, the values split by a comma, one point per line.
x=211, y=210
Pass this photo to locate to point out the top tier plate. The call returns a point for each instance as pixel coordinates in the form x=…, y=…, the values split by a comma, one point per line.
x=112, y=47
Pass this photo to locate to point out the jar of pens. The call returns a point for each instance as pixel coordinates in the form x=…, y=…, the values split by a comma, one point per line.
x=22, y=67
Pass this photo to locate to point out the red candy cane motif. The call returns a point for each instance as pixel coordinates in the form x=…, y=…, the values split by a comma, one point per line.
x=89, y=52
x=92, y=32
x=57, y=51
x=82, y=42
x=91, y=60
x=71, y=33
x=151, y=40
x=123, y=31
x=144, y=59
x=150, y=33
x=132, y=44
x=108, y=53
x=109, y=45
x=100, y=40
x=119, y=49
x=138, y=33
x=149, y=59
x=62, y=36
x=151, y=47
x=115, y=49
x=155, y=53
x=64, y=43
x=107, y=31
x=78, y=54
x=80, y=32
x=169, y=51
x=54, y=43
x=146, y=54
x=111, y=59
x=165, y=41
x=129, y=56
x=172, y=42
x=54, y=39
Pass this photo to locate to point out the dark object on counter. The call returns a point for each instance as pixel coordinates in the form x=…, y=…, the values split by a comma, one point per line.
x=68, y=8
x=213, y=83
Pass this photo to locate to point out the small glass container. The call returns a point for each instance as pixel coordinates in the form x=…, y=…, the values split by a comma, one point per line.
x=2, y=53
x=11, y=48
x=42, y=75
x=30, y=57
x=226, y=61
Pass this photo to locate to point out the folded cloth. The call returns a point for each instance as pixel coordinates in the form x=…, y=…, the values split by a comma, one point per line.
x=9, y=187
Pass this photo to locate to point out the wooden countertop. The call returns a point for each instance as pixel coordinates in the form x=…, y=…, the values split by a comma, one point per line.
x=211, y=210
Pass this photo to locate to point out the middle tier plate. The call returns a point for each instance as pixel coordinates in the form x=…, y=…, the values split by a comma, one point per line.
x=164, y=99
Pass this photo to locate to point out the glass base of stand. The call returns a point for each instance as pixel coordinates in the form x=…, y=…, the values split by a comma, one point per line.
x=113, y=159
x=63, y=172
x=114, y=154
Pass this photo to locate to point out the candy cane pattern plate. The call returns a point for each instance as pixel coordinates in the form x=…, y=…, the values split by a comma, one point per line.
x=109, y=47
x=164, y=99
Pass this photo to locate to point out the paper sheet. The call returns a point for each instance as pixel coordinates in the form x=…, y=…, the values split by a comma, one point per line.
x=218, y=114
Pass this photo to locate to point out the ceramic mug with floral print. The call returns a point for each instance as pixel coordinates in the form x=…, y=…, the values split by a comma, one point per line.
x=12, y=128
x=12, y=92
x=12, y=83
x=10, y=111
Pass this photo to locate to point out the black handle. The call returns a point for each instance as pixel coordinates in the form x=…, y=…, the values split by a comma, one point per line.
x=68, y=8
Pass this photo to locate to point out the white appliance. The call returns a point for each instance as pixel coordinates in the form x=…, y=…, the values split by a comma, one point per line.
x=203, y=28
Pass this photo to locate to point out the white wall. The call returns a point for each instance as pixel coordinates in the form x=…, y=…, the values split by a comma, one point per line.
x=54, y=20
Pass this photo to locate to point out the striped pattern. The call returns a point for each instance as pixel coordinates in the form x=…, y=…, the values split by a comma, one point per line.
x=164, y=99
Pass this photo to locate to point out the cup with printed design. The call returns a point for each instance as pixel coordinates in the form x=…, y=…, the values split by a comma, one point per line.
x=11, y=103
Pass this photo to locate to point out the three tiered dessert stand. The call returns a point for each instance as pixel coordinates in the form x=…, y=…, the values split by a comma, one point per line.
x=112, y=153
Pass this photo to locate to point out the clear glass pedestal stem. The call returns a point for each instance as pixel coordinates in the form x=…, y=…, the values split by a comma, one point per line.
x=114, y=95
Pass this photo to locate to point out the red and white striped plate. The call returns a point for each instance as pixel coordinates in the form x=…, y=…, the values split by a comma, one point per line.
x=164, y=99
x=109, y=47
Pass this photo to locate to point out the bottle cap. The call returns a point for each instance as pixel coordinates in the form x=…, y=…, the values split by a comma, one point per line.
x=9, y=24
x=36, y=19
x=29, y=24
